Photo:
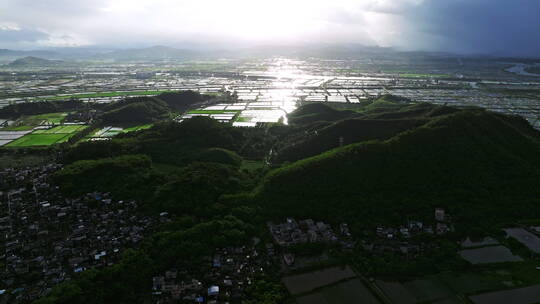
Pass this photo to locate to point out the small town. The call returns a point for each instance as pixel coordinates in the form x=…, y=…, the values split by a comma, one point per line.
x=224, y=279
x=47, y=238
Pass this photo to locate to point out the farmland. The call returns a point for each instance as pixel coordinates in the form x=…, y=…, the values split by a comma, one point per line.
x=109, y=132
x=61, y=129
x=47, y=137
x=32, y=140
x=526, y=238
x=448, y=287
x=348, y=292
x=494, y=254
x=106, y=94
x=26, y=123
x=527, y=295
x=309, y=281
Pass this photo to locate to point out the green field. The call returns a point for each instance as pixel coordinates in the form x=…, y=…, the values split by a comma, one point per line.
x=137, y=128
x=61, y=130
x=101, y=133
x=54, y=118
x=244, y=119
x=107, y=94
x=55, y=135
x=29, y=122
x=35, y=140
x=17, y=128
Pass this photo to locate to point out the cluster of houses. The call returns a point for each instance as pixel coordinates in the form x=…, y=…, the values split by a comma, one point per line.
x=45, y=238
x=224, y=279
x=398, y=239
x=293, y=232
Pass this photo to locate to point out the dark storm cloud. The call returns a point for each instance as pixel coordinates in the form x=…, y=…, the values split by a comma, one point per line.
x=503, y=27
x=510, y=27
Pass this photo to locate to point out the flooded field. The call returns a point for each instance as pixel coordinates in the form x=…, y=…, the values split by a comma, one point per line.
x=526, y=295
x=306, y=282
x=486, y=255
x=265, y=90
x=348, y=292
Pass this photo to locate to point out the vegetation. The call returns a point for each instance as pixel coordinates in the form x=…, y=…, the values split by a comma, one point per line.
x=135, y=110
x=397, y=160
x=316, y=112
x=222, y=156
x=31, y=61
x=481, y=165
x=41, y=107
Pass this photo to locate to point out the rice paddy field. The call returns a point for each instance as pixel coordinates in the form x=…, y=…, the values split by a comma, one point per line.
x=306, y=282
x=107, y=94
x=455, y=287
x=348, y=292
x=526, y=295
x=109, y=132
x=492, y=254
x=47, y=137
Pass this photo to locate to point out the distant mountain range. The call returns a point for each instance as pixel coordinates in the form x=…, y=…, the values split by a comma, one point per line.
x=345, y=51
x=151, y=53
x=31, y=61
x=14, y=54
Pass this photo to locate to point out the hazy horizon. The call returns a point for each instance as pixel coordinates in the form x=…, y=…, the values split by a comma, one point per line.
x=500, y=27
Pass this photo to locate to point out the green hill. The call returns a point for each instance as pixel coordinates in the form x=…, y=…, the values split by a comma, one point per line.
x=181, y=101
x=136, y=110
x=31, y=61
x=482, y=166
x=348, y=131
x=316, y=112
x=390, y=119
x=170, y=142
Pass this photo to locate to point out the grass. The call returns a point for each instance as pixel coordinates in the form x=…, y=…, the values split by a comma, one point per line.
x=110, y=133
x=61, y=130
x=55, y=135
x=137, y=128
x=35, y=140
x=55, y=118
x=251, y=165
x=26, y=123
x=17, y=128
x=29, y=122
x=244, y=119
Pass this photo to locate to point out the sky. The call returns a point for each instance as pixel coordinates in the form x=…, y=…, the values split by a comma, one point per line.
x=509, y=27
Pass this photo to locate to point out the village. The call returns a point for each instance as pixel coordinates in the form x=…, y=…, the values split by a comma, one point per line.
x=225, y=278
x=47, y=238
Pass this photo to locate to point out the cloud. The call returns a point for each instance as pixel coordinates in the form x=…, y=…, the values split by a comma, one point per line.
x=13, y=35
x=488, y=26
